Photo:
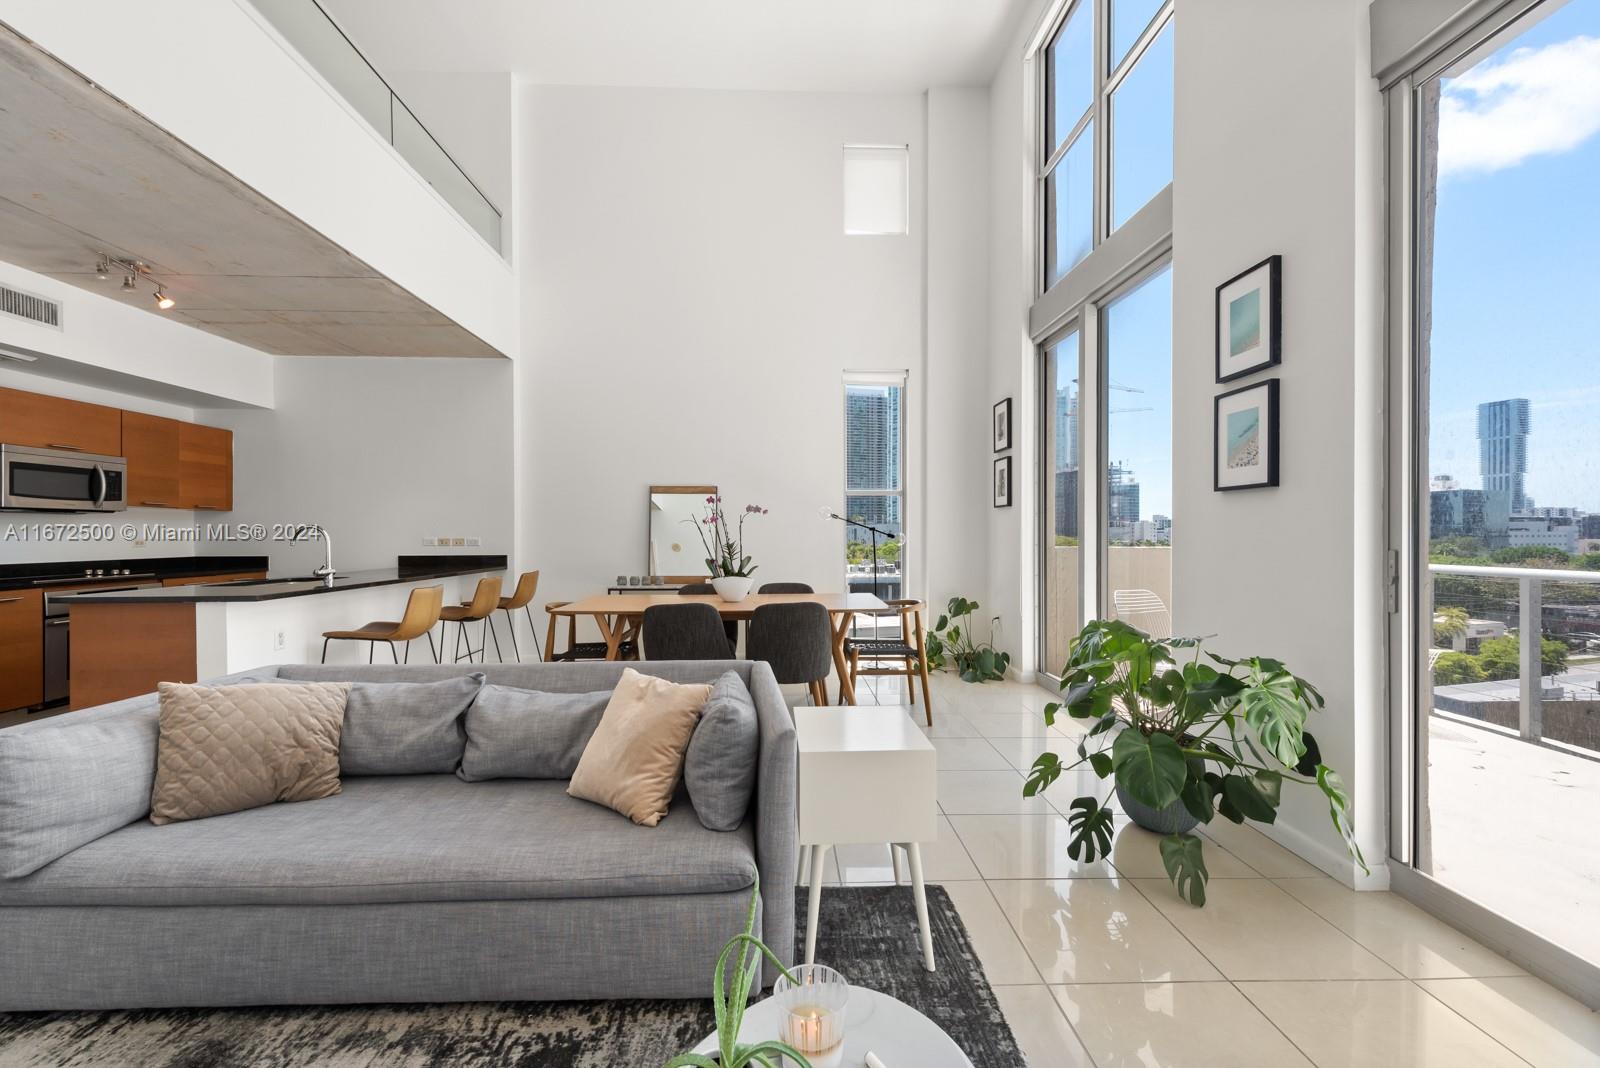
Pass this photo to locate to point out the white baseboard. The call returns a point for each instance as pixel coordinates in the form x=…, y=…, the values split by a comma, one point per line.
x=1337, y=862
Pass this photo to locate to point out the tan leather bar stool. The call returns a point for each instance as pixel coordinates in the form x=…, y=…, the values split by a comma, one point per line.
x=483, y=604
x=521, y=597
x=422, y=612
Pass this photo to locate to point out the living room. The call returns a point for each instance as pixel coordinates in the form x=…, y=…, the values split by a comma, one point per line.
x=611, y=476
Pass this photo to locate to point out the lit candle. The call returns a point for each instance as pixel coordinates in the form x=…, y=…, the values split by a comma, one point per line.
x=813, y=1030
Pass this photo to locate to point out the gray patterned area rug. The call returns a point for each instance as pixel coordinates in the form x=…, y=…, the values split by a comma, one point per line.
x=869, y=933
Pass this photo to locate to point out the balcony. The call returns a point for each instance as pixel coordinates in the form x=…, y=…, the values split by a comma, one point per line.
x=307, y=27
x=1513, y=746
x=1130, y=569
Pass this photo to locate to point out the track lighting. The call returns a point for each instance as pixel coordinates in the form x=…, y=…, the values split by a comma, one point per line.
x=131, y=271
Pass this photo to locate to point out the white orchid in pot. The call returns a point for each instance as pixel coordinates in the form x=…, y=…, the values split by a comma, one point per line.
x=1183, y=743
x=726, y=560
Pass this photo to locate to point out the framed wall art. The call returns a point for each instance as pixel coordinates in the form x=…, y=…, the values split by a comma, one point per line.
x=1250, y=320
x=1245, y=453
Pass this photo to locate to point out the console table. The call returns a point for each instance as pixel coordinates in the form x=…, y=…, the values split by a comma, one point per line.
x=867, y=775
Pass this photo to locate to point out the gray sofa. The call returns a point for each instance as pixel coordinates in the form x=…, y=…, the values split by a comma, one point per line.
x=413, y=888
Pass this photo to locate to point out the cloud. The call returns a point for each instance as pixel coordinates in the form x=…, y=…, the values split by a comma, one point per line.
x=1536, y=101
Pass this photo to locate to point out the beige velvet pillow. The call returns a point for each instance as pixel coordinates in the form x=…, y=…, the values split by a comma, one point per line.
x=228, y=748
x=635, y=757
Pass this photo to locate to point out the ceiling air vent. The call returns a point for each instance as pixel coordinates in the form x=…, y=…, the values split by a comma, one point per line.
x=30, y=306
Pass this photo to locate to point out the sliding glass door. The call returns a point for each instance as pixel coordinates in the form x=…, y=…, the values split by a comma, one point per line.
x=1061, y=500
x=1498, y=656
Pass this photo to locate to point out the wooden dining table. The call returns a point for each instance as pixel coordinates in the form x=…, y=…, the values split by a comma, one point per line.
x=618, y=615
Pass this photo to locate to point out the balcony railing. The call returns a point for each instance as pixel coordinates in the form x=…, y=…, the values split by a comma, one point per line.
x=1559, y=707
x=331, y=54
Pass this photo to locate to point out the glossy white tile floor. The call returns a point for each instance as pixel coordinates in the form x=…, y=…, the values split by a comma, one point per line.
x=1102, y=965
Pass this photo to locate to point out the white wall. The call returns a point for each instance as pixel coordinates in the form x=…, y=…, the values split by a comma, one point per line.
x=1011, y=534
x=382, y=452
x=250, y=104
x=102, y=338
x=955, y=483
x=1293, y=572
x=692, y=305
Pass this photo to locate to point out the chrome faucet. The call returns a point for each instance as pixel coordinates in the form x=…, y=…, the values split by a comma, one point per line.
x=311, y=532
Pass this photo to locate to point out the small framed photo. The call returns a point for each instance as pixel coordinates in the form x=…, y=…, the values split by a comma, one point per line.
x=1002, y=482
x=1250, y=320
x=1246, y=448
x=1002, y=425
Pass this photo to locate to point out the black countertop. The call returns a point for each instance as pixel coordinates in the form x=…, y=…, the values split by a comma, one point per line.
x=277, y=587
x=145, y=568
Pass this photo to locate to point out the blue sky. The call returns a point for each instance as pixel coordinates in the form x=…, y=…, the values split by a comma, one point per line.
x=1516, y=293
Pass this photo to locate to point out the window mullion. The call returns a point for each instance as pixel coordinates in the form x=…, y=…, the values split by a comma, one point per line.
x=1102, y=129
x=1071, y=139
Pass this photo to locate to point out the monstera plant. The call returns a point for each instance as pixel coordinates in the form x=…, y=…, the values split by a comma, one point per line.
x=1183, y=743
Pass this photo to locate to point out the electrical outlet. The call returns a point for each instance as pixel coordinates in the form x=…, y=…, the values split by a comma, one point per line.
x=428, y=543
x=474, y=543
x=458, y=542
x=280, y=641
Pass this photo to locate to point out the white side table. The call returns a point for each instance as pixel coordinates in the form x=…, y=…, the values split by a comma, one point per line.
x=874, y=1023
x=867, y=775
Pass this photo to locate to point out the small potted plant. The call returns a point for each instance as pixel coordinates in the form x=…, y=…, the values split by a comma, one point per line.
x=730, y=999
x=1184, y=743
x=729, y=564
x=953, y=640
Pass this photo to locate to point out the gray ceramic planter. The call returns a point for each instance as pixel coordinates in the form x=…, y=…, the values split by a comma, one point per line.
x=1174, y=819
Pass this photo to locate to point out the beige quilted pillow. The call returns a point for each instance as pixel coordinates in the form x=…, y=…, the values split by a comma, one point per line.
x=228, y=748
x=635, y=757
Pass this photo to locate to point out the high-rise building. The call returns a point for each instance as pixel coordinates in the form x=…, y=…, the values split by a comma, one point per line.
x=1066, y=427
x=1122, y=496
x=1456, y=511
x=872, y=452
x=1067, y=503
x=1503, y=427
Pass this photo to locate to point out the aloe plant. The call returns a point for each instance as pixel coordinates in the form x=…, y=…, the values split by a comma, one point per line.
x=730, y=1000
x=1219, y=742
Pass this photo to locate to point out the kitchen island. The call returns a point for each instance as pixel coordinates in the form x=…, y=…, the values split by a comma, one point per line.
x=125, y=642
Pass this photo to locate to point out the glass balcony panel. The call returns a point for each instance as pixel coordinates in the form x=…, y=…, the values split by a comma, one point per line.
x=331, y=54
x=413, y=141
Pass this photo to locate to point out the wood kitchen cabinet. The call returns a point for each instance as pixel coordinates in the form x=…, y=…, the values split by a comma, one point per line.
x=150, y=444
x=205, y=467
x=21, y=649
x=57, y=423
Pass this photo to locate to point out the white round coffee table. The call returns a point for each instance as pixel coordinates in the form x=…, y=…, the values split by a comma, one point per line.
x=901, y=1036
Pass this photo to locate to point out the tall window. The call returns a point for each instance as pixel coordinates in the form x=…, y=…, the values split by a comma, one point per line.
x=1504, y=484
x=1062, y=501
x=1105, y=343
x=874, y=484
x=1106, y=142
x=1136, y=397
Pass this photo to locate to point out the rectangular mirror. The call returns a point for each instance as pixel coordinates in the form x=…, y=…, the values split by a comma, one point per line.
x=675, y=552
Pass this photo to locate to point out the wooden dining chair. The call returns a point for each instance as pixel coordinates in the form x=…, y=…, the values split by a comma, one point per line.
x=907, y=650
x=422, y=612
x=483, y=604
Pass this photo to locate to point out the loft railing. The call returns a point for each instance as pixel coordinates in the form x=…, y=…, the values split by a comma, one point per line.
x=1533, y=623
x=318, y=39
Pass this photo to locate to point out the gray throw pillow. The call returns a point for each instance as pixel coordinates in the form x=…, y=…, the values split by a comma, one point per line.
x=720, y=766
x=404, y=728
x=528, y=734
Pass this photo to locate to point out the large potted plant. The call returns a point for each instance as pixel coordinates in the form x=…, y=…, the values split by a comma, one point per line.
x=729, y=564
x=1183, y=743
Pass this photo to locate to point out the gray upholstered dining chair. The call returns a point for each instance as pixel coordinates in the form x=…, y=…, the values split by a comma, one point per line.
x=729, y=626
x=684, y=632
x=796, y=641
x=786, y=587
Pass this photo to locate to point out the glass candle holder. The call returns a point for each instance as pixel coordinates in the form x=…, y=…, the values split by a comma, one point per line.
x=812, y=1012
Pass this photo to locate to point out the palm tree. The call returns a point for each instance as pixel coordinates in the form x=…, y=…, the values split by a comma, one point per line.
x=1449, y=624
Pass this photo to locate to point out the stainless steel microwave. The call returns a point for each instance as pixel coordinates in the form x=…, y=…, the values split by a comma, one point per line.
x=61, y=480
